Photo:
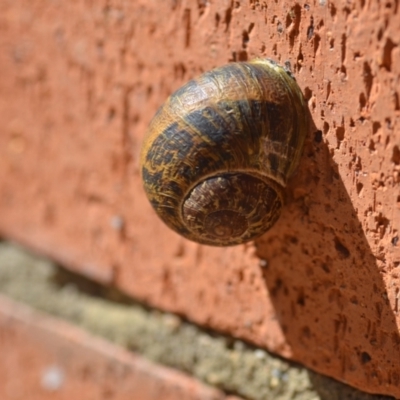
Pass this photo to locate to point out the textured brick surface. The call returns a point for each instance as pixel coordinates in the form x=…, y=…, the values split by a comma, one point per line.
x=79, y=82
x=44, y=358
x=218, y=360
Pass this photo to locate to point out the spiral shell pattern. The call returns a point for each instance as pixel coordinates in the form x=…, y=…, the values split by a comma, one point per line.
x=219, y=152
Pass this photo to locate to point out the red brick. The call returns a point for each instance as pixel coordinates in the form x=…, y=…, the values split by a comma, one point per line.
x=45, y=358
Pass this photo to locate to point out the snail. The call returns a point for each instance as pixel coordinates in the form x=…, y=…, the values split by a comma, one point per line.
x=218, y=154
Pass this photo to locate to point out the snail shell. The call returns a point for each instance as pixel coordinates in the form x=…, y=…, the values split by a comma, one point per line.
x=219, y=152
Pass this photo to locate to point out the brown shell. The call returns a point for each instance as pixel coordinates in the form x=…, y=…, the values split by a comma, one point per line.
x=218, y=154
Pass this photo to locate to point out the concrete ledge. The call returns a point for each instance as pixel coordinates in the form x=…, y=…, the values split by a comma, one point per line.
x=59, y=353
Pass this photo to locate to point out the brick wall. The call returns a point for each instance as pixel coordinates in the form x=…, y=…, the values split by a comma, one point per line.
x=79, y=84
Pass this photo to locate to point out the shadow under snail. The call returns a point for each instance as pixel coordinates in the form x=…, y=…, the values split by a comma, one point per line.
x=218, y=153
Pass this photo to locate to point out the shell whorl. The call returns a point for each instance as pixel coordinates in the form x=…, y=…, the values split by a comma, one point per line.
x=233, y=207
x=219, y=152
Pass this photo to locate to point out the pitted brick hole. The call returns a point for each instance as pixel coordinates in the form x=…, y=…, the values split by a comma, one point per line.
x=217, y=20
x=365, y=357
x=293, y=19
x=362, y=101
x=340, y=131
x=387, y=54
x=246, y=36
x=368, y=78
x=341, y=249
x=396, y=155
x=307, y=93
x=333, y=10
x=317, y=40
x=371, y=146
x=396, y=101
x=228, y=18
x=359, y=188
x=326, y=128
x=376, y=126
x=310, y=29
x=318, y=136
x=343, y=48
